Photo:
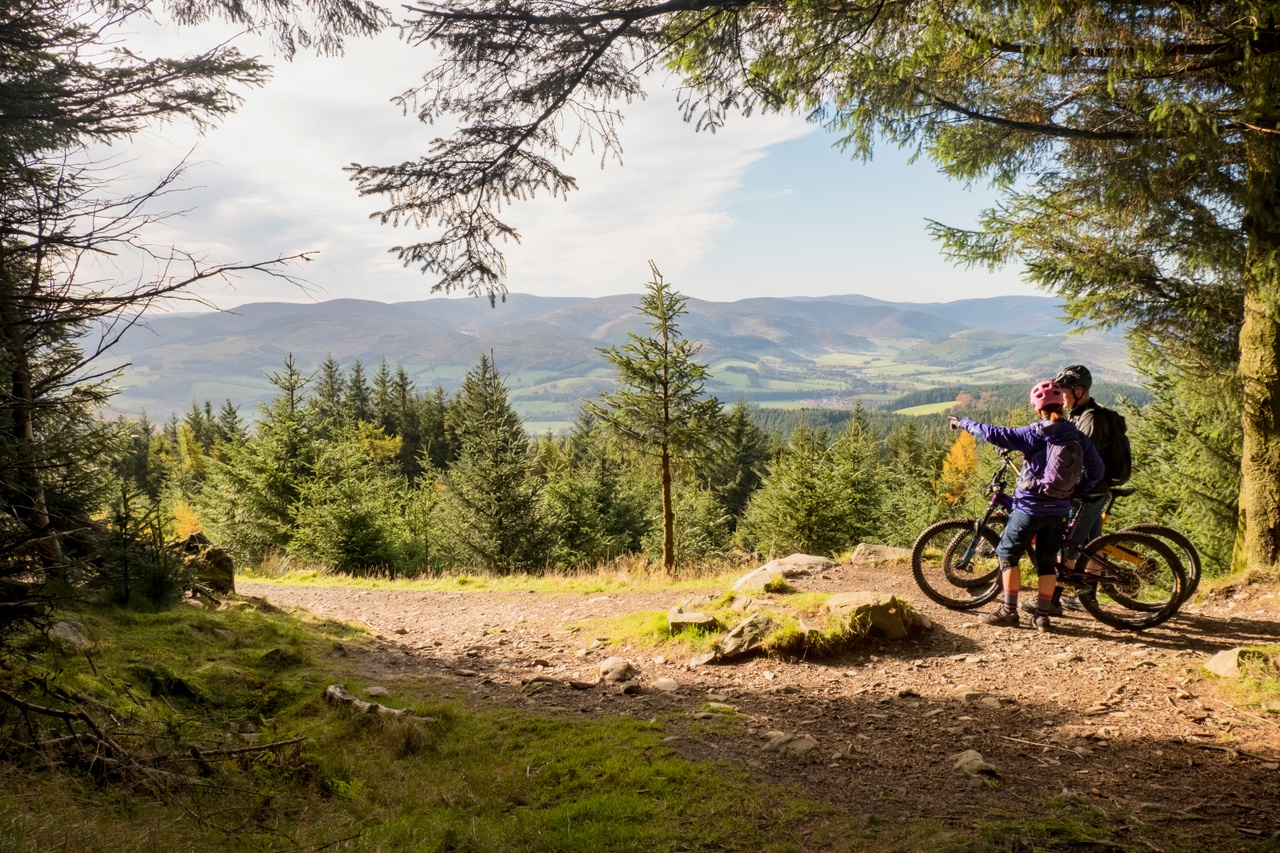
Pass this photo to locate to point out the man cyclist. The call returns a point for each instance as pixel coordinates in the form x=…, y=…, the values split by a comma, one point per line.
x=1076, y=381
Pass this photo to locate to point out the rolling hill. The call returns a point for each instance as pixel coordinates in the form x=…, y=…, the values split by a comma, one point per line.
x=810, y=351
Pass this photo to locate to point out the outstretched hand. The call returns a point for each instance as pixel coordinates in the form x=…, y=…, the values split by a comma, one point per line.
x=955, y=422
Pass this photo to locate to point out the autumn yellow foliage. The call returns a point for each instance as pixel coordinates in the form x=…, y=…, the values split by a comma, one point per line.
x=958, y=470
x=185, y=520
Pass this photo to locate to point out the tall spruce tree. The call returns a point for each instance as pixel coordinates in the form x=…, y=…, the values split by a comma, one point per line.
x=357, y=402
x=406, y=411
x=382, y=401
x=660, y=407
x=1187, y=441
x=348, y=512
x=740, y=451
x=250, y=500
x=591, y=506
x=489, y=512
x=325, y=404
x=800, y=506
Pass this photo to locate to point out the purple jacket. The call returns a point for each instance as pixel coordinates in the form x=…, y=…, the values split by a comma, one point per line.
x=1033, y=443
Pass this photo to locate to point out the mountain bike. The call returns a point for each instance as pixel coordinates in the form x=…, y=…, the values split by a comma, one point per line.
x=1128, y=579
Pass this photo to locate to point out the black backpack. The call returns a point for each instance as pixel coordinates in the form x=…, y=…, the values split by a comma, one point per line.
x=1117, y=456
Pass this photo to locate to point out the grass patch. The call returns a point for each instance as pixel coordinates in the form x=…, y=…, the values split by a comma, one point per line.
x=464, y=778
x=559, y=583
x=926, y=409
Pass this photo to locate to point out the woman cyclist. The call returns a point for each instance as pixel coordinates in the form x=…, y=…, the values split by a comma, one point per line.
x=1058, y=461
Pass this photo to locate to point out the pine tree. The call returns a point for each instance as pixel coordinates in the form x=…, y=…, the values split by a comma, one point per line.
x=1186, y=446
x=855, y=470
x=660, y=408
x=489, y=511
x=740, y=450
x=251, y=498
x=406, y=414
x=229, y=426
x=357, y=403
x=440, y=442
x=591, y=507
x=799, y=507
x=382, y=400
x=326, y=405
x=348, y=514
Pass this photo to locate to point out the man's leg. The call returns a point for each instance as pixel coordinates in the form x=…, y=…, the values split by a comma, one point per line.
x=1088, y=527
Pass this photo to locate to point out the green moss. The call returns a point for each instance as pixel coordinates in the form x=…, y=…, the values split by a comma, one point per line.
x=650, y=629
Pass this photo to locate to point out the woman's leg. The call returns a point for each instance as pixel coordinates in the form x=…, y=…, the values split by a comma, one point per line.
x=1015, y=541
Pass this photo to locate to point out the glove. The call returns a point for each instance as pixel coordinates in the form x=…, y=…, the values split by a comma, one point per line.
x=955, y=422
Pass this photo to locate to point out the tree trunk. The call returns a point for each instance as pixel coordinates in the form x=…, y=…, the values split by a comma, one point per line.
x=25, y=486
x=1260, y=463
x=1260, y=333
x=668, y=515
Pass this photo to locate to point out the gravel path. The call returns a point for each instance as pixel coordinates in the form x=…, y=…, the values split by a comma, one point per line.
x=1120, y=721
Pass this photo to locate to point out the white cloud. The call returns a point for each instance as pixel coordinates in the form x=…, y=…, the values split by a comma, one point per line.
x=269, y=181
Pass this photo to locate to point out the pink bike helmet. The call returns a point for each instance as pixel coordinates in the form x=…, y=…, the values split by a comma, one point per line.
x=1047, y=394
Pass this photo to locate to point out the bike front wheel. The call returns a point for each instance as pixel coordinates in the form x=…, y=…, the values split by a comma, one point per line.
x=1187, y=552
x=1134, y=580
x=956, y=566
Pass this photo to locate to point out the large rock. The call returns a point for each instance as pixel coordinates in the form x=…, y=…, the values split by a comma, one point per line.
x=781, y=569
x=747, y=636
x=799, y=565
x=884, y=615
x=1226, y=664
x=71, y=633
x=868, y=554
x=618, y=670
x=208, y=564
x=756, y=581
x=679, y=620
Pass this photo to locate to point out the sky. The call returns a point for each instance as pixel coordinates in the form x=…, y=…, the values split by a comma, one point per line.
x=764, y=207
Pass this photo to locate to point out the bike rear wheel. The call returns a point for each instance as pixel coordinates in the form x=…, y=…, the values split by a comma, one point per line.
x=1188, y=554
x=1139, y=580
x=955, y=566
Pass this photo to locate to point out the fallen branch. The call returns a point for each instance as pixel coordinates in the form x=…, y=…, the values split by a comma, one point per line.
x=202, y=756
x=336, y=694
x=1235, y=752
x=248, y=750
x=68, y=716
x=201, y=589
x=1045, y=745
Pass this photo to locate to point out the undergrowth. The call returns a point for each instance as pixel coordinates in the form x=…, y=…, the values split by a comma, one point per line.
x=221, y=715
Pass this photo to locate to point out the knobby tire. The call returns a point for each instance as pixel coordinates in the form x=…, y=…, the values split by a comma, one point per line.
x=1190, y=556
x=941, y=571
x=1144, y=591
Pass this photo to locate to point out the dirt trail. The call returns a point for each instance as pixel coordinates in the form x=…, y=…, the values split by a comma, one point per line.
x=1126, y=723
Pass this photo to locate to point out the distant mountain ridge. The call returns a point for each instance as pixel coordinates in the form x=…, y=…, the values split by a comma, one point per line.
x=776, y=350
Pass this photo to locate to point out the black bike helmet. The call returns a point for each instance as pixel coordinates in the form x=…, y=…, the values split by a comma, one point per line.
x=1075, y=376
